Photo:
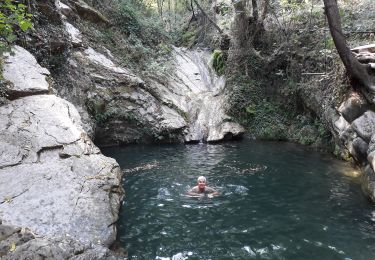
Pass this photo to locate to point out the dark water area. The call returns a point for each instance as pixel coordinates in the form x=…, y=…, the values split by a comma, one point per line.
x=278, y=201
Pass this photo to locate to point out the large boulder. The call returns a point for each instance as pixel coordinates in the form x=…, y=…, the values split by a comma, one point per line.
x=62, y=185
x=365, y=125
x=54, y=182
x=353, y=107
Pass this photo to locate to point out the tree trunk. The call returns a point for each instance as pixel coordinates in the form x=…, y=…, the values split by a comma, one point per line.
x=357, y=71
x=209, y=19
x=254, y=4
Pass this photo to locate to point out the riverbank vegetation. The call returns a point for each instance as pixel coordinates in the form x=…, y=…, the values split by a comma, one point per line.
x=14, y=21
x=294, y=51
x=268, y=50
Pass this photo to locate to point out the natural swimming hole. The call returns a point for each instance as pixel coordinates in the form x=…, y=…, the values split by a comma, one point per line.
x=278, y=201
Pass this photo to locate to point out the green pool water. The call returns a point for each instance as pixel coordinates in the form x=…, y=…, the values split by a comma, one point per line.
x=278, y=201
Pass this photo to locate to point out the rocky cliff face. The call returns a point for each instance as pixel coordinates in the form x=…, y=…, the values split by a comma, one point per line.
x=352, y=120
x=59, y=196
x=116, y=105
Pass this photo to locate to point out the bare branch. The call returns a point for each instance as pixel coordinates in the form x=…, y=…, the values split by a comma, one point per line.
x=209, y=19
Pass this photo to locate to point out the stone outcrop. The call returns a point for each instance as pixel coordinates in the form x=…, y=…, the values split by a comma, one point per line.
x=117, y=106
x=29, y=80
x=352, y=120
x=88, y=12
x=59, y=196
x=202, y=96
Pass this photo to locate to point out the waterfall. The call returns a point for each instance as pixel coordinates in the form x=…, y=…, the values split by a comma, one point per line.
x=199, y=92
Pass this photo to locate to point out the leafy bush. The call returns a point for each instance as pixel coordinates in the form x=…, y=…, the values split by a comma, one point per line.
x=188, y=37
x=218, y=62
x=13, y=16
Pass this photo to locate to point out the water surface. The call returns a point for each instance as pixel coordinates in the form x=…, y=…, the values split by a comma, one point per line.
x=279, y=201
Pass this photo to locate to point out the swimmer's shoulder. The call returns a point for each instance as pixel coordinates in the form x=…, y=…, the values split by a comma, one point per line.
x=210, y=190
x=194, y=189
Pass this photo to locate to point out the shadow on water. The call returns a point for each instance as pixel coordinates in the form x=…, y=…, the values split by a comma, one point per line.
x=278, y=201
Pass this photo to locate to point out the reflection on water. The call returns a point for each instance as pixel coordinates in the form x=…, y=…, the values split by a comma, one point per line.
x=278, y=201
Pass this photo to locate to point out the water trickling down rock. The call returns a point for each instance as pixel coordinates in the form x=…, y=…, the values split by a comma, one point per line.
x=201, y=98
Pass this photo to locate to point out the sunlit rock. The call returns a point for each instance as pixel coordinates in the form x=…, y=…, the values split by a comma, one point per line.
x=55, y=185
x=203, y=97
x=353, y=173
x=102, y=60
x=24, y=75
x=74, y=33
x=353, y=107
x=61, y=184
x=64, y=9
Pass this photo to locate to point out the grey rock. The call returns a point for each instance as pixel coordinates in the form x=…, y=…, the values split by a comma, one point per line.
x=368, y=181
x=187, y=106
x=365, y=125
x=359, y=149
x=343, y=128
x=56, y=183
x=201, y=96
x=353, y=107
x=55, y=248
x=128, y=108
x=65, y=9
x=29, y=80
x=74, y=33
x=87, y=12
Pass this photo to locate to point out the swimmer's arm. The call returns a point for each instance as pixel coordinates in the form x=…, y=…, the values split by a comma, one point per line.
x=193, y=192
x=212, y=192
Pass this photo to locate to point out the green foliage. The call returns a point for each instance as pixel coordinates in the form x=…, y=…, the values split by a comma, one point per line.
x=218, y=62
x=188, y=37
x=251, y=110
x=223, y=8
x=13, y=16
x=101, y=114
x=137, y=36
x=265, y=121
x=164, y=49
x=133, y=18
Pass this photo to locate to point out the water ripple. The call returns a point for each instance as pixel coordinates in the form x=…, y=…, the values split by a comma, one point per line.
x=278, y=201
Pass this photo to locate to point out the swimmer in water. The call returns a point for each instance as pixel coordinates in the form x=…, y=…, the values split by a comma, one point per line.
x=201, y=189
